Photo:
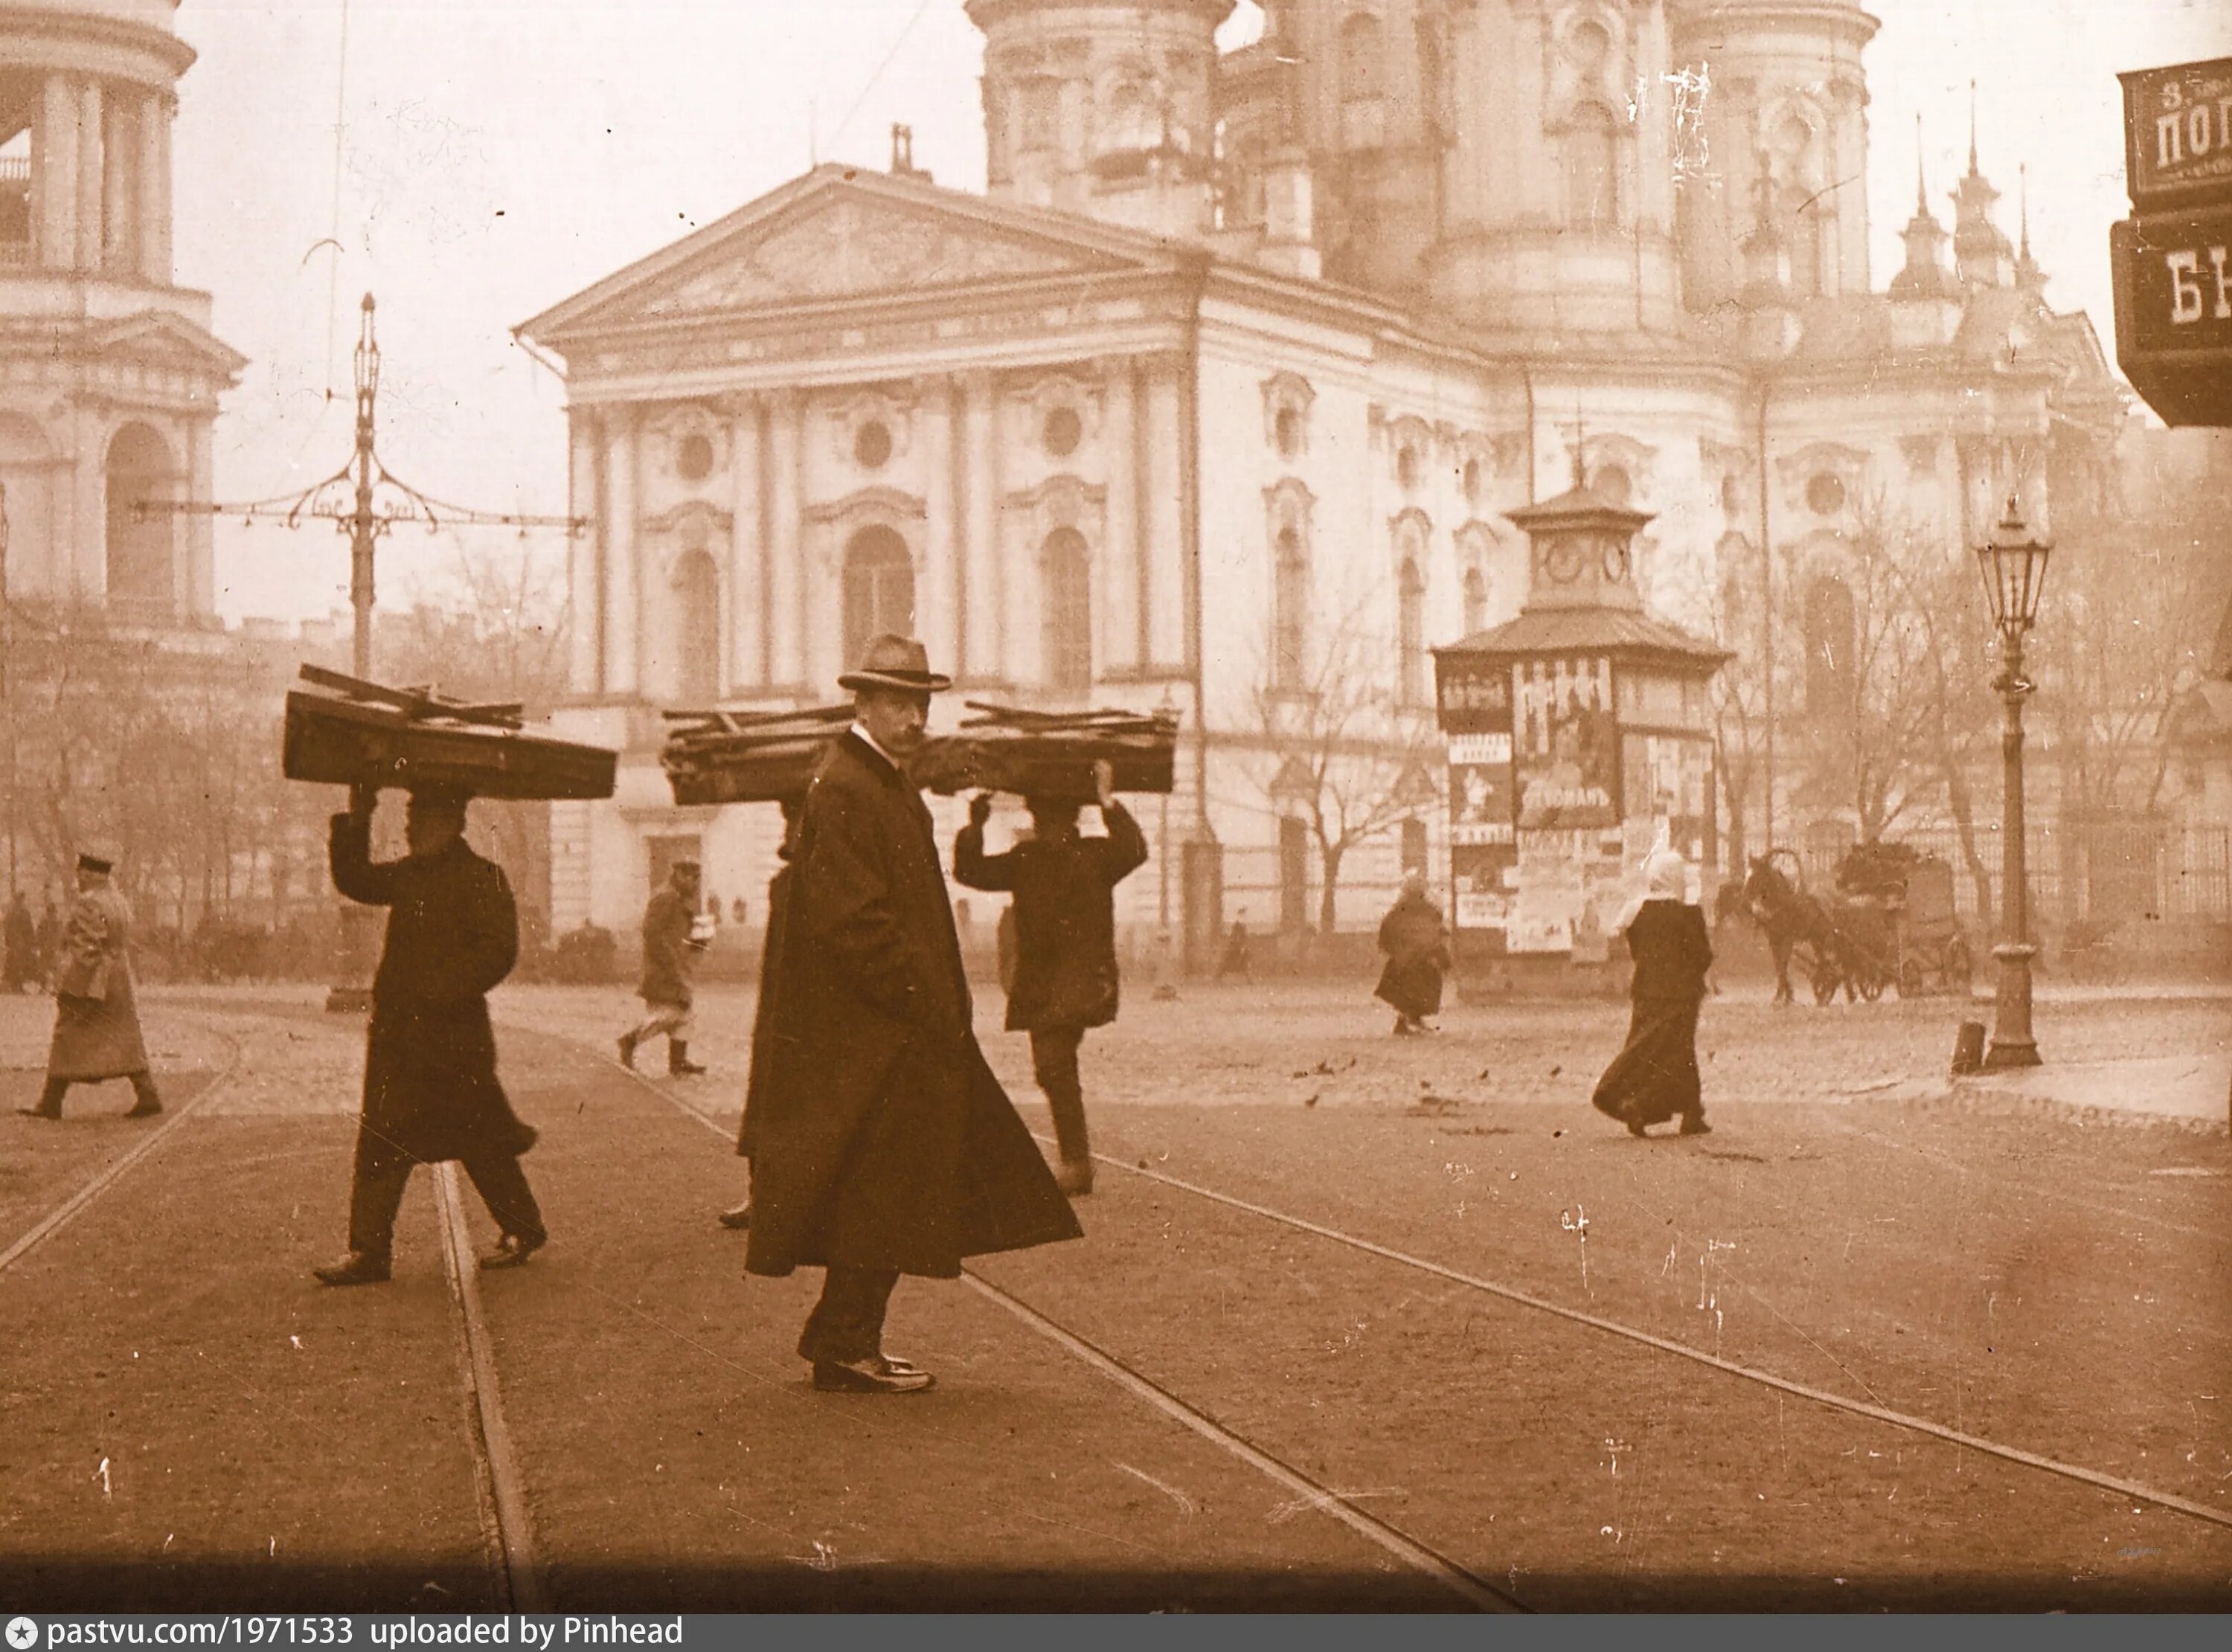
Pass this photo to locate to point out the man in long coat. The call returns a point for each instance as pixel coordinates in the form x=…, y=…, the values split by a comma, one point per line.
x=670, y=945
x=96, y=1021
x=430, y=1087
x=1416, y=943
x=881, y=1142
x=1066, y=978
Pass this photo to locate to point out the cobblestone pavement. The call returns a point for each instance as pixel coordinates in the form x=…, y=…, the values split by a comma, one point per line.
x=187, y=1417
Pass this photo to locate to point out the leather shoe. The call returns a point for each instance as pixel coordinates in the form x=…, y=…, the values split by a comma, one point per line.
x=511, y=1251
x=903, y=1367
x=144, y=1110
x=626, y=1045
x=1695, y=1125
x=1636, y=1127
x=358, y=1267
x=875, y=1375
x=738, y=1216
x=40, y=1113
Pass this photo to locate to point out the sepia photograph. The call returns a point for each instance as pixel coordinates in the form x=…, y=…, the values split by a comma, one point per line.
x=1241, y=806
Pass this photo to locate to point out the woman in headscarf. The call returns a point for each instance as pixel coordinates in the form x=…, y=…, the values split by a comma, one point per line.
x=1417, y=945
x=1654, y=1077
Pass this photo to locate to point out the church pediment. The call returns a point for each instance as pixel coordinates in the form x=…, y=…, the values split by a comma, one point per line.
x=838, y=234
x=156, y=338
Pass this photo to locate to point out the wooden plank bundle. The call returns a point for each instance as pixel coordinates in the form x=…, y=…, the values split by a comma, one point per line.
x=747, y=757
x=345, y=731
x=1051, y=754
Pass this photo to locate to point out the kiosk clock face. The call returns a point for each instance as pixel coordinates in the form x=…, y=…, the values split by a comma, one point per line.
x=1563, y=561
x=1615, y=561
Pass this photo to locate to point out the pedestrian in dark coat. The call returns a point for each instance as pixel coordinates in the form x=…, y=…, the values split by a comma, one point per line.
x=1234, y=959
x=671, y=942
x=1655, y=1076
x=96, y=1018
x=1416, y=943
x=778, y=911
x=431, y=1092
x=1066, y=978
x=21, y=946
x=881, y=1142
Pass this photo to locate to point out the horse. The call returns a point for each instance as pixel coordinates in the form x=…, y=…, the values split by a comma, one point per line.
x=1791, y=918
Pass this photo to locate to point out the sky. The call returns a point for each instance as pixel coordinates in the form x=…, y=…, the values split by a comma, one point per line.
x=473, y=162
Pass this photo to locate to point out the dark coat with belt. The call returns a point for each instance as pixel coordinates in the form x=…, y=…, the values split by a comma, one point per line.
x=667, y=952
x=1065, y=917
x=429, y=1084
x=96, y=1019
x=880, y=1137
x=1655, y=1075
x=1418, y=947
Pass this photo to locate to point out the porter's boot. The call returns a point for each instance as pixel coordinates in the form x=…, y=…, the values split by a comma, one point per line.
x=628, y=1051
x=678, y=1064
x=148, y=1103
x=50, y=1100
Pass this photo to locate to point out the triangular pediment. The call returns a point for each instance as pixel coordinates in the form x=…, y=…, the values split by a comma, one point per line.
x=838, y=234
x=159, y=338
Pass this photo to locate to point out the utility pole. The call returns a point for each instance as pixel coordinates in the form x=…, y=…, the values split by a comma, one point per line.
x=364, y=499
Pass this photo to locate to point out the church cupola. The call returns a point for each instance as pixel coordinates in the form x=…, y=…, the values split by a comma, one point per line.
x=1982, y=255
x=1924, y=274
x=1102, y=109
x=2029, y=276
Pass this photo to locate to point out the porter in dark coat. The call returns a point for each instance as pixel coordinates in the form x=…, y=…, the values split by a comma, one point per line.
x=1417, y=948
x=1066, y=978
x=431, y=1092
x=1655, y=1076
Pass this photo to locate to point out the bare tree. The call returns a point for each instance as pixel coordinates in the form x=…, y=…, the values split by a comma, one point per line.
x=1352, y=757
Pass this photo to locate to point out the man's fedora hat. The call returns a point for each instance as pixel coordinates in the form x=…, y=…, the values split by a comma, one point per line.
x=894, y=662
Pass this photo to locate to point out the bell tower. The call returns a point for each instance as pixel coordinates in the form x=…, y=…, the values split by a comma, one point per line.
x=109, y=376
x=1102, y=108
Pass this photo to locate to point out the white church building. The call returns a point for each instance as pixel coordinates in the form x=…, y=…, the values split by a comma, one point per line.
x=1220, y=396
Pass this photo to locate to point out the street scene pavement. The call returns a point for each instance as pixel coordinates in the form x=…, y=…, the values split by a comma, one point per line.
x=1356, y=1323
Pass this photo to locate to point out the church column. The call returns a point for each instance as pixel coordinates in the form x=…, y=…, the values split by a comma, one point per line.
x=623, y=549
x=201, y=560
x=584, y=551
x=786, y=608
x=1162, y=595
x=937, y=584
x=120, y=186
x=155, y=188
x=1116, y=593
x=91, y=225
x=747, y=580
x=56, y=158
x=89, y=499
x=983, y=649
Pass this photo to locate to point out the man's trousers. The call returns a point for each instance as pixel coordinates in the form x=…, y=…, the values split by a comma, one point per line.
x=376, y=1194
x=1054, y=1063
x=847, y=1325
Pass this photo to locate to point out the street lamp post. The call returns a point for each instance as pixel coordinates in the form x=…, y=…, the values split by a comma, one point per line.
x=2014, y=565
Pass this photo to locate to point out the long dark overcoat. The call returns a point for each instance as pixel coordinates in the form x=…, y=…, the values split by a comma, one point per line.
x=666, y=950
x=1065, y=917
x=880, y=1137
x=96, y=1019
x=429, y=1084
x=770, y=993
x=1416, y=943
x=1655, y=1075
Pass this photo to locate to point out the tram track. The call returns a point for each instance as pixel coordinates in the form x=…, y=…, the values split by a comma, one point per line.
x=1890, y=1417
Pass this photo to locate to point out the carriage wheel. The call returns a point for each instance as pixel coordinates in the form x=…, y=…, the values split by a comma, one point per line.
x=1871, y=984
x=1825, y=981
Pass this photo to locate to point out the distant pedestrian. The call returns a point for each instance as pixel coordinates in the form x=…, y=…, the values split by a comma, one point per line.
x=882, y=1144
x=1655, y=1076
x=96, y=1021
x=1235, y=959
x=1416, y=943
x=49, y=938
x=672, y=938
x=770, y=993
x=431, y=1092
x=20, y=966
x=1065, y=978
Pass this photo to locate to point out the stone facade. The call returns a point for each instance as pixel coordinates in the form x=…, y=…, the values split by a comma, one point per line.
x=1237, y=376
x=109, y=376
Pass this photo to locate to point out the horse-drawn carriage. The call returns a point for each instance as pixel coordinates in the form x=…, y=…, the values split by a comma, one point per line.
x=1891, y=923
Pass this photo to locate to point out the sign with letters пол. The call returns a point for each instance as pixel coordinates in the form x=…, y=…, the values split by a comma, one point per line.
x=2177, y=135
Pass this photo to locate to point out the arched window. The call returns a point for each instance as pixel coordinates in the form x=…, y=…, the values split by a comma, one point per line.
x=697, y=588
x=1796, y=203
x=1476, y=601
x=1829, y=646
x=1065, y=578
x=1039, y=109
x=878, y=588
x=140, y=544
x=1410, y=632
x=1290, y=606
x=1131, y=121
x=1590, y=145
x=1363, y=83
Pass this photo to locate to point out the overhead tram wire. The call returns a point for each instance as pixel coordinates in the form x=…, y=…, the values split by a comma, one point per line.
x=838, y=132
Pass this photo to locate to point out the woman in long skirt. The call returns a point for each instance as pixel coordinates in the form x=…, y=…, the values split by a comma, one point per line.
x=1655, y=1077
